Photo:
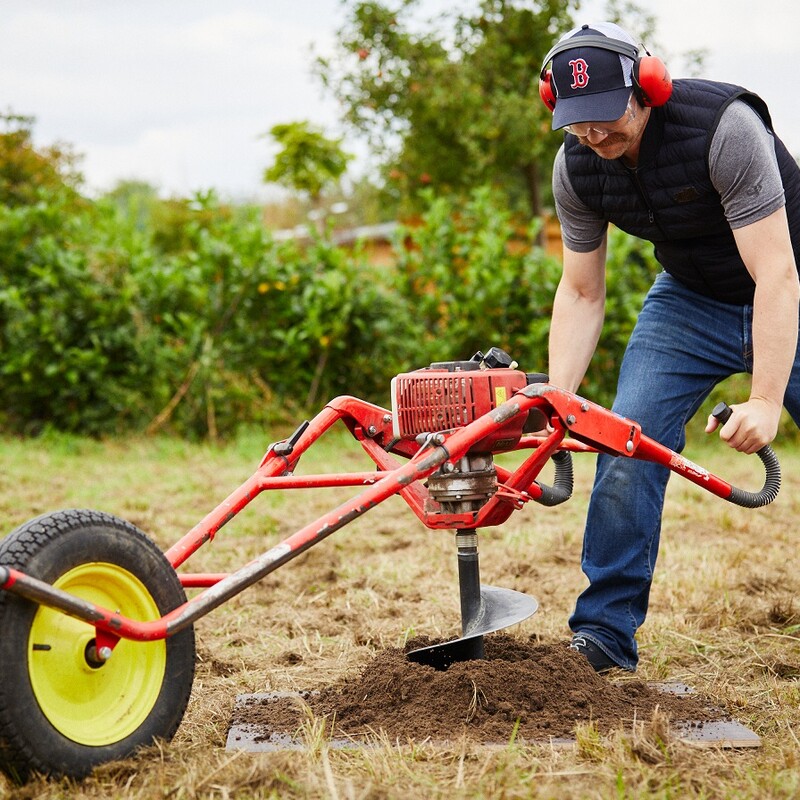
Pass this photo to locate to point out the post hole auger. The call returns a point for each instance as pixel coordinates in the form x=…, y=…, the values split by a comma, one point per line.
x=97, y=649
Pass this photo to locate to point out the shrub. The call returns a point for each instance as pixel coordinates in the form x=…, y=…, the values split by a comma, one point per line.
x=473, y=278
x=250, y=328
x=192, y=318
x=67, y=330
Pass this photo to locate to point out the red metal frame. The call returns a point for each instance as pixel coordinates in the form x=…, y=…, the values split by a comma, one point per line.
x=401, y=466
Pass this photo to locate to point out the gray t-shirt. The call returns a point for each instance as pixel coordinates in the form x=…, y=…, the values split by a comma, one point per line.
x=743, y=167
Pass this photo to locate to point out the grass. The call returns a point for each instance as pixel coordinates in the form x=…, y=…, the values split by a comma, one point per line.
x=725, y=619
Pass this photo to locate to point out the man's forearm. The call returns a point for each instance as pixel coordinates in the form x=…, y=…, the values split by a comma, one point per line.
x=574, y=332
x=775, y=322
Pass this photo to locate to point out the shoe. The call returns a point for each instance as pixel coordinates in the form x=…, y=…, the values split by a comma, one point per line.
x=598, y=660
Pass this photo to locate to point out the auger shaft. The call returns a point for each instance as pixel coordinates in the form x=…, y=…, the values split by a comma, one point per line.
x=469, y=582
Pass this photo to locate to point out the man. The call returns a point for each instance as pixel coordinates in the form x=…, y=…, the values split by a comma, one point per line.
x=694, y=167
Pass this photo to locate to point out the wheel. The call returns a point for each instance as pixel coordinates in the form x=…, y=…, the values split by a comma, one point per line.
x=61, y=711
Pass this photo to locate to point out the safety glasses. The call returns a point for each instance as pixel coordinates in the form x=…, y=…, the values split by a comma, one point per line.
x=584, y=129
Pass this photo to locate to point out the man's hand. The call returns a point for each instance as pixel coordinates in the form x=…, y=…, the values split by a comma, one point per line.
x=751, y=426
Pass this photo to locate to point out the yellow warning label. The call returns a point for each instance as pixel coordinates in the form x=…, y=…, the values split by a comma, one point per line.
x=499, y=395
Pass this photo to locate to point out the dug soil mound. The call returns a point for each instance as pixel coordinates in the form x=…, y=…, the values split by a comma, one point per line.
x=543, y=691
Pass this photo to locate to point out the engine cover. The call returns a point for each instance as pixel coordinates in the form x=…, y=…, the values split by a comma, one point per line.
x=441, y=399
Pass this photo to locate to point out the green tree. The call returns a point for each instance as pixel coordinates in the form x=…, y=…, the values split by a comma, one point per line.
x=308, y=160
x=455, y=106
x=26, y=172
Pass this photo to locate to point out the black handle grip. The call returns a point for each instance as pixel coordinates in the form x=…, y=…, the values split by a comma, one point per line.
x=286, y=447
x=772, y=483
x=722, y=412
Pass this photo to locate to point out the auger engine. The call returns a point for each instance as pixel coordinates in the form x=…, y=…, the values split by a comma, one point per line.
x=449, y=395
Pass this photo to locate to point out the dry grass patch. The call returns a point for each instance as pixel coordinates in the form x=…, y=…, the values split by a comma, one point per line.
x=724, y=619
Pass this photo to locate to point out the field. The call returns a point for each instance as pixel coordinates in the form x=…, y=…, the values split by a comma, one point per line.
x=724, y=619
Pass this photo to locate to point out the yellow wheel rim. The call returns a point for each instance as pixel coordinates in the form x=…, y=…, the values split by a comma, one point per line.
x=102, y=705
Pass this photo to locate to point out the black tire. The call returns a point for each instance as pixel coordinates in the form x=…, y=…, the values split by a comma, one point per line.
x=60, y=712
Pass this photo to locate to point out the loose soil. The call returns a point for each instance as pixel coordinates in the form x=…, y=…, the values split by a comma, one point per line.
x=544, y=691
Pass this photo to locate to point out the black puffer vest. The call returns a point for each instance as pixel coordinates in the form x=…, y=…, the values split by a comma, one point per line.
x=669, y=198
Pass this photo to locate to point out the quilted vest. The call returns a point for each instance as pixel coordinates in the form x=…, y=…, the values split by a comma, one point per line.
x=669, y=199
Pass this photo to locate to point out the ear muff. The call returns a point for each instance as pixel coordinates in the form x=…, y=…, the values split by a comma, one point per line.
x=546, y=91
x=651, y=81
x=652, y=84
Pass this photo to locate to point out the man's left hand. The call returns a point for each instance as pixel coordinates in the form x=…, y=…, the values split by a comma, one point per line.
x=752, y=425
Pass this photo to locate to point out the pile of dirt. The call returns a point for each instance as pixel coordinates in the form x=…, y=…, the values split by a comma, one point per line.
x=545, y=690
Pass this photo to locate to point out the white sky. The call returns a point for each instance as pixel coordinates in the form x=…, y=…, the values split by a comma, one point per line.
x=178, y=92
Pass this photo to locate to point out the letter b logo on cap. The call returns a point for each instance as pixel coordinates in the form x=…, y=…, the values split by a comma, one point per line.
x=580, y=73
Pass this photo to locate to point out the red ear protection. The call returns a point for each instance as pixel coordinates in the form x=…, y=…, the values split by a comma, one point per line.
x=652, y=84
x=546, y=89
x=651, y=81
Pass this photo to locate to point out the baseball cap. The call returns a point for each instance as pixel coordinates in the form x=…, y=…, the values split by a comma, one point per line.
x=592, y=84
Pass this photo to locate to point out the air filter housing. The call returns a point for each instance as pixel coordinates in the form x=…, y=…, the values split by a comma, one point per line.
x=450, y=395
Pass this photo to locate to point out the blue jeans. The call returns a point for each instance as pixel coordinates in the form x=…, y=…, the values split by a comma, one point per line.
x=682, y=346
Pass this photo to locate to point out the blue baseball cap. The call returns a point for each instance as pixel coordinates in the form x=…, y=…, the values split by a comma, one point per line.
x=592, y=83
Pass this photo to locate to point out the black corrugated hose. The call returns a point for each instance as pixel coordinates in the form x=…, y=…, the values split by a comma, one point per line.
x=561, y=490
x=772, y=483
